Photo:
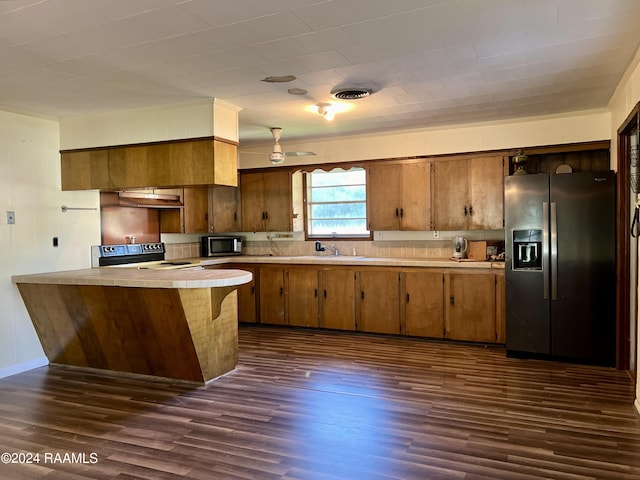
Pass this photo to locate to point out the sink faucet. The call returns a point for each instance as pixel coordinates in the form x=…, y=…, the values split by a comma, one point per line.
x=322, y=248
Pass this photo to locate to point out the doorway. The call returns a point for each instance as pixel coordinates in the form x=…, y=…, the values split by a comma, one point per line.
x=628, y=189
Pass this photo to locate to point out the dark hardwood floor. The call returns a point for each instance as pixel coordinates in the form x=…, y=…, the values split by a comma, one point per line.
x=322, y=405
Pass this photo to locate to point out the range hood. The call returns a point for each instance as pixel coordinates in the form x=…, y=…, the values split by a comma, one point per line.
x=148, y=200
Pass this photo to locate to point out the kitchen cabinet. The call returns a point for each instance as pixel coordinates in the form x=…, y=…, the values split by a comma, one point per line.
x=267, y=201
x=337, y=299
x=162, y=164
x=467, y=193
x=85, y=170
x=302, y=293
x=378, y=301
x=193, y=217
x=272, y=295
x=247, y=311
x=421, y=302
x=224, y=209
x=470, y=307
x=399, y=196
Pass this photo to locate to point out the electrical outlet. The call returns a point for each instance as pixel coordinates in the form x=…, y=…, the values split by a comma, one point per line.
x=11, y=217
x=436, y=234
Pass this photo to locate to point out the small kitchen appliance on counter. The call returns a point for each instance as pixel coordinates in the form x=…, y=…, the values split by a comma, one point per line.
x=220, y=246
x=460, y=247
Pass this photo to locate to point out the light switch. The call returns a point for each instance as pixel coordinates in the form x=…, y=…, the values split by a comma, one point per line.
x=11, y=217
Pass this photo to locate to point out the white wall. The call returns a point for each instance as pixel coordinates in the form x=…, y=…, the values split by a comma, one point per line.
x=516, y=133
x=30, y=186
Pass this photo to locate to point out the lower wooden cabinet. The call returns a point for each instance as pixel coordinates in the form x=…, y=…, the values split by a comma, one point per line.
x=378, y=301
x=247, y=306
x=422, y=303
x=337, y=299
x=303, y=297
x=272, y=295
x=470, y=307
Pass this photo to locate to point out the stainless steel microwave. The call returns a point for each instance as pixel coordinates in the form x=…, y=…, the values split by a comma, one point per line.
x=220, y=246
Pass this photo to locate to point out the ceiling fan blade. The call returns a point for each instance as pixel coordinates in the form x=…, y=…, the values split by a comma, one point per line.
x=300, y=154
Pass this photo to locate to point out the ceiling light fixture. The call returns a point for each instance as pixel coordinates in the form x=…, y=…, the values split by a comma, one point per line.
x=326, y=110
x=281, y=79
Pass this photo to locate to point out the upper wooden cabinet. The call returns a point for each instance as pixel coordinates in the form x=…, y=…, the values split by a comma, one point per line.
x=193, y=217
x=224, y=209
x=267, y=201
x=467, y=193
x=85, y=170
x=164, y=164
x=399, y=196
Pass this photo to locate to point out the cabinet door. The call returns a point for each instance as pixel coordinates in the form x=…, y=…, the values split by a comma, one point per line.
x=337, y=299
x=252, y=200
x=196, y=209
x=415, y=210
x=486, y=193
x=277, y=201
x=85, y=170
x=450, y=195
x=247, y=296
x=384, y=196
x=272, y=296
x=470, y=307
x=378, y=302
x=303, y=296
x=224, y=209
x=129, y=167
x=423, y=303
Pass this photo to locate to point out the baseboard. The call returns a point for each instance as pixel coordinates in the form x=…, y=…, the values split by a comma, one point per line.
x=23, y=367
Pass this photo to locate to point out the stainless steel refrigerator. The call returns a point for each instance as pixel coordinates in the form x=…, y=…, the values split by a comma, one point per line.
x=560, y=266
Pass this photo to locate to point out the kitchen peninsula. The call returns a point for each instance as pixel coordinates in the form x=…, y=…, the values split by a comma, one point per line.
x=174, y=324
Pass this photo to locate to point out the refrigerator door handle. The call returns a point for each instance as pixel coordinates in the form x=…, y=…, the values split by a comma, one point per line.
x=554, y=251
x=545, y=249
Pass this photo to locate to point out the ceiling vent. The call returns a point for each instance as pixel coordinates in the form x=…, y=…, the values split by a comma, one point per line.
x=353, y=93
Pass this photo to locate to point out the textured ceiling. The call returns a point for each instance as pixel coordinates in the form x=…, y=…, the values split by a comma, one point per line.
x=430, y=62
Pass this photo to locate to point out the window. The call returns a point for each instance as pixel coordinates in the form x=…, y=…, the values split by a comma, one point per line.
x=337, y=203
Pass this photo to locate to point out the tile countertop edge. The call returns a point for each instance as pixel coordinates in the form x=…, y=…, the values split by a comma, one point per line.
x=348, y=260
x=217, y=278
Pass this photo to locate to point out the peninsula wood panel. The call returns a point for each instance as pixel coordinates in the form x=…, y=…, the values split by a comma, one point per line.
x=162, y=332
x=337, y=406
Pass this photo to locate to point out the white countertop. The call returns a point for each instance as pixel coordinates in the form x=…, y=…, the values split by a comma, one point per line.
x=147, y=278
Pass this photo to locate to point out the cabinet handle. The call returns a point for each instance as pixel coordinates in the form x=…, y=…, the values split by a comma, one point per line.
x=266, y=215
x=465, y=211
x=253, y=290
x=470, y=210
x=396, y=211
x=408, y=298
x=401, y=212
x=315, y=293
x=235, y=216
x=452, y=300
x=325, y=294
x=282, y=291
x=362, y=295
